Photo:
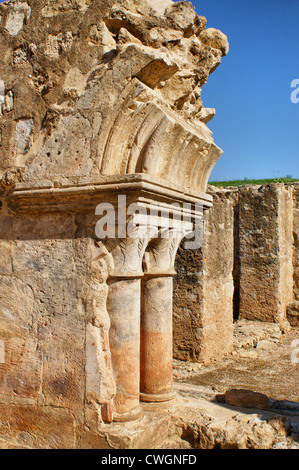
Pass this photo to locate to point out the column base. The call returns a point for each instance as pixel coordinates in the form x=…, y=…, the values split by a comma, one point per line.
x=157, y=397
x=129, y=416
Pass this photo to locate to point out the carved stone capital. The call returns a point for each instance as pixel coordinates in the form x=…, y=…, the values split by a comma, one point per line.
x=160, y=253
x=127, y=256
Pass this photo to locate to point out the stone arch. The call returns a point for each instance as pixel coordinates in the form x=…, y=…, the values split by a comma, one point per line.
x=144, y=136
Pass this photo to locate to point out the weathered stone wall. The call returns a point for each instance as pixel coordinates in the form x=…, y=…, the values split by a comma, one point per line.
x=293, y=307
x=247, y=269
x=266, y=246
x=296, y=242
x=57, y=374
x=203, y=300
x=98, y=98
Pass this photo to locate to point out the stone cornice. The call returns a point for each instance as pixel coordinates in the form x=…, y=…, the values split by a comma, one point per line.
x=84, y=196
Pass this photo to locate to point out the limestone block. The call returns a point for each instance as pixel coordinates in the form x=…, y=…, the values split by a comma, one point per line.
x=64, y=153
x=247, y=399
x=206, y=114
x=61, y=342
x=49, y=350
x=182, y=14
x=29, y=427
x=44, y=258
x=266, y=241
x=23, y=134
x=21, y=370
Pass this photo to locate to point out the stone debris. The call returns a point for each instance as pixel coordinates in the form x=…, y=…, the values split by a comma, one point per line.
x=185, y=368
x=255, y=335
x=245, y=399
x=192, y=422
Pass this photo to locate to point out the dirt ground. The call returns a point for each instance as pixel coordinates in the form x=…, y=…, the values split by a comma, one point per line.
x=264, y=360
x=270, y=367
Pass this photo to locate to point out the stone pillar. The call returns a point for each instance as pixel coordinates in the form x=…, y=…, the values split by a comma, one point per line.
x=124, y=310
x=203, y=289
x=156, y=319
x=156, y=339
x=266, y=248
x=293, y=306
x=141, y=345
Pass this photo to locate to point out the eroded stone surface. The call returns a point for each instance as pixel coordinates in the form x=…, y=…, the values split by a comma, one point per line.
x=246, y=268
x=2, y=93
x=90, y=72
x=203, y=287
x=293, y=313
x=97, y=97
x=19, y=13
x=90, y=92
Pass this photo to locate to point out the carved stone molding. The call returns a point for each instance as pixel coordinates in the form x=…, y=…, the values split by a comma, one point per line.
x=160, y=254
x=45, y=196
x=127, y=256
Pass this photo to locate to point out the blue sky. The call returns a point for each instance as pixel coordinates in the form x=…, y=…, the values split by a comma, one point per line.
x=256, y=124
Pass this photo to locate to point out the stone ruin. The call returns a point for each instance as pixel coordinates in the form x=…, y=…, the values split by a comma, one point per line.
x=102, y=98
x=246, y=270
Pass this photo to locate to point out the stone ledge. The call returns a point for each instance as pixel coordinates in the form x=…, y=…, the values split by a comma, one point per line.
x=85, y=196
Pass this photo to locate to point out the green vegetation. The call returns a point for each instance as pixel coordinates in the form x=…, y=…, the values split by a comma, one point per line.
x=287, y=179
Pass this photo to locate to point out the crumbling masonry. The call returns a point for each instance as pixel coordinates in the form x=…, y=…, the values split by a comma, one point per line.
x=100, y=99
